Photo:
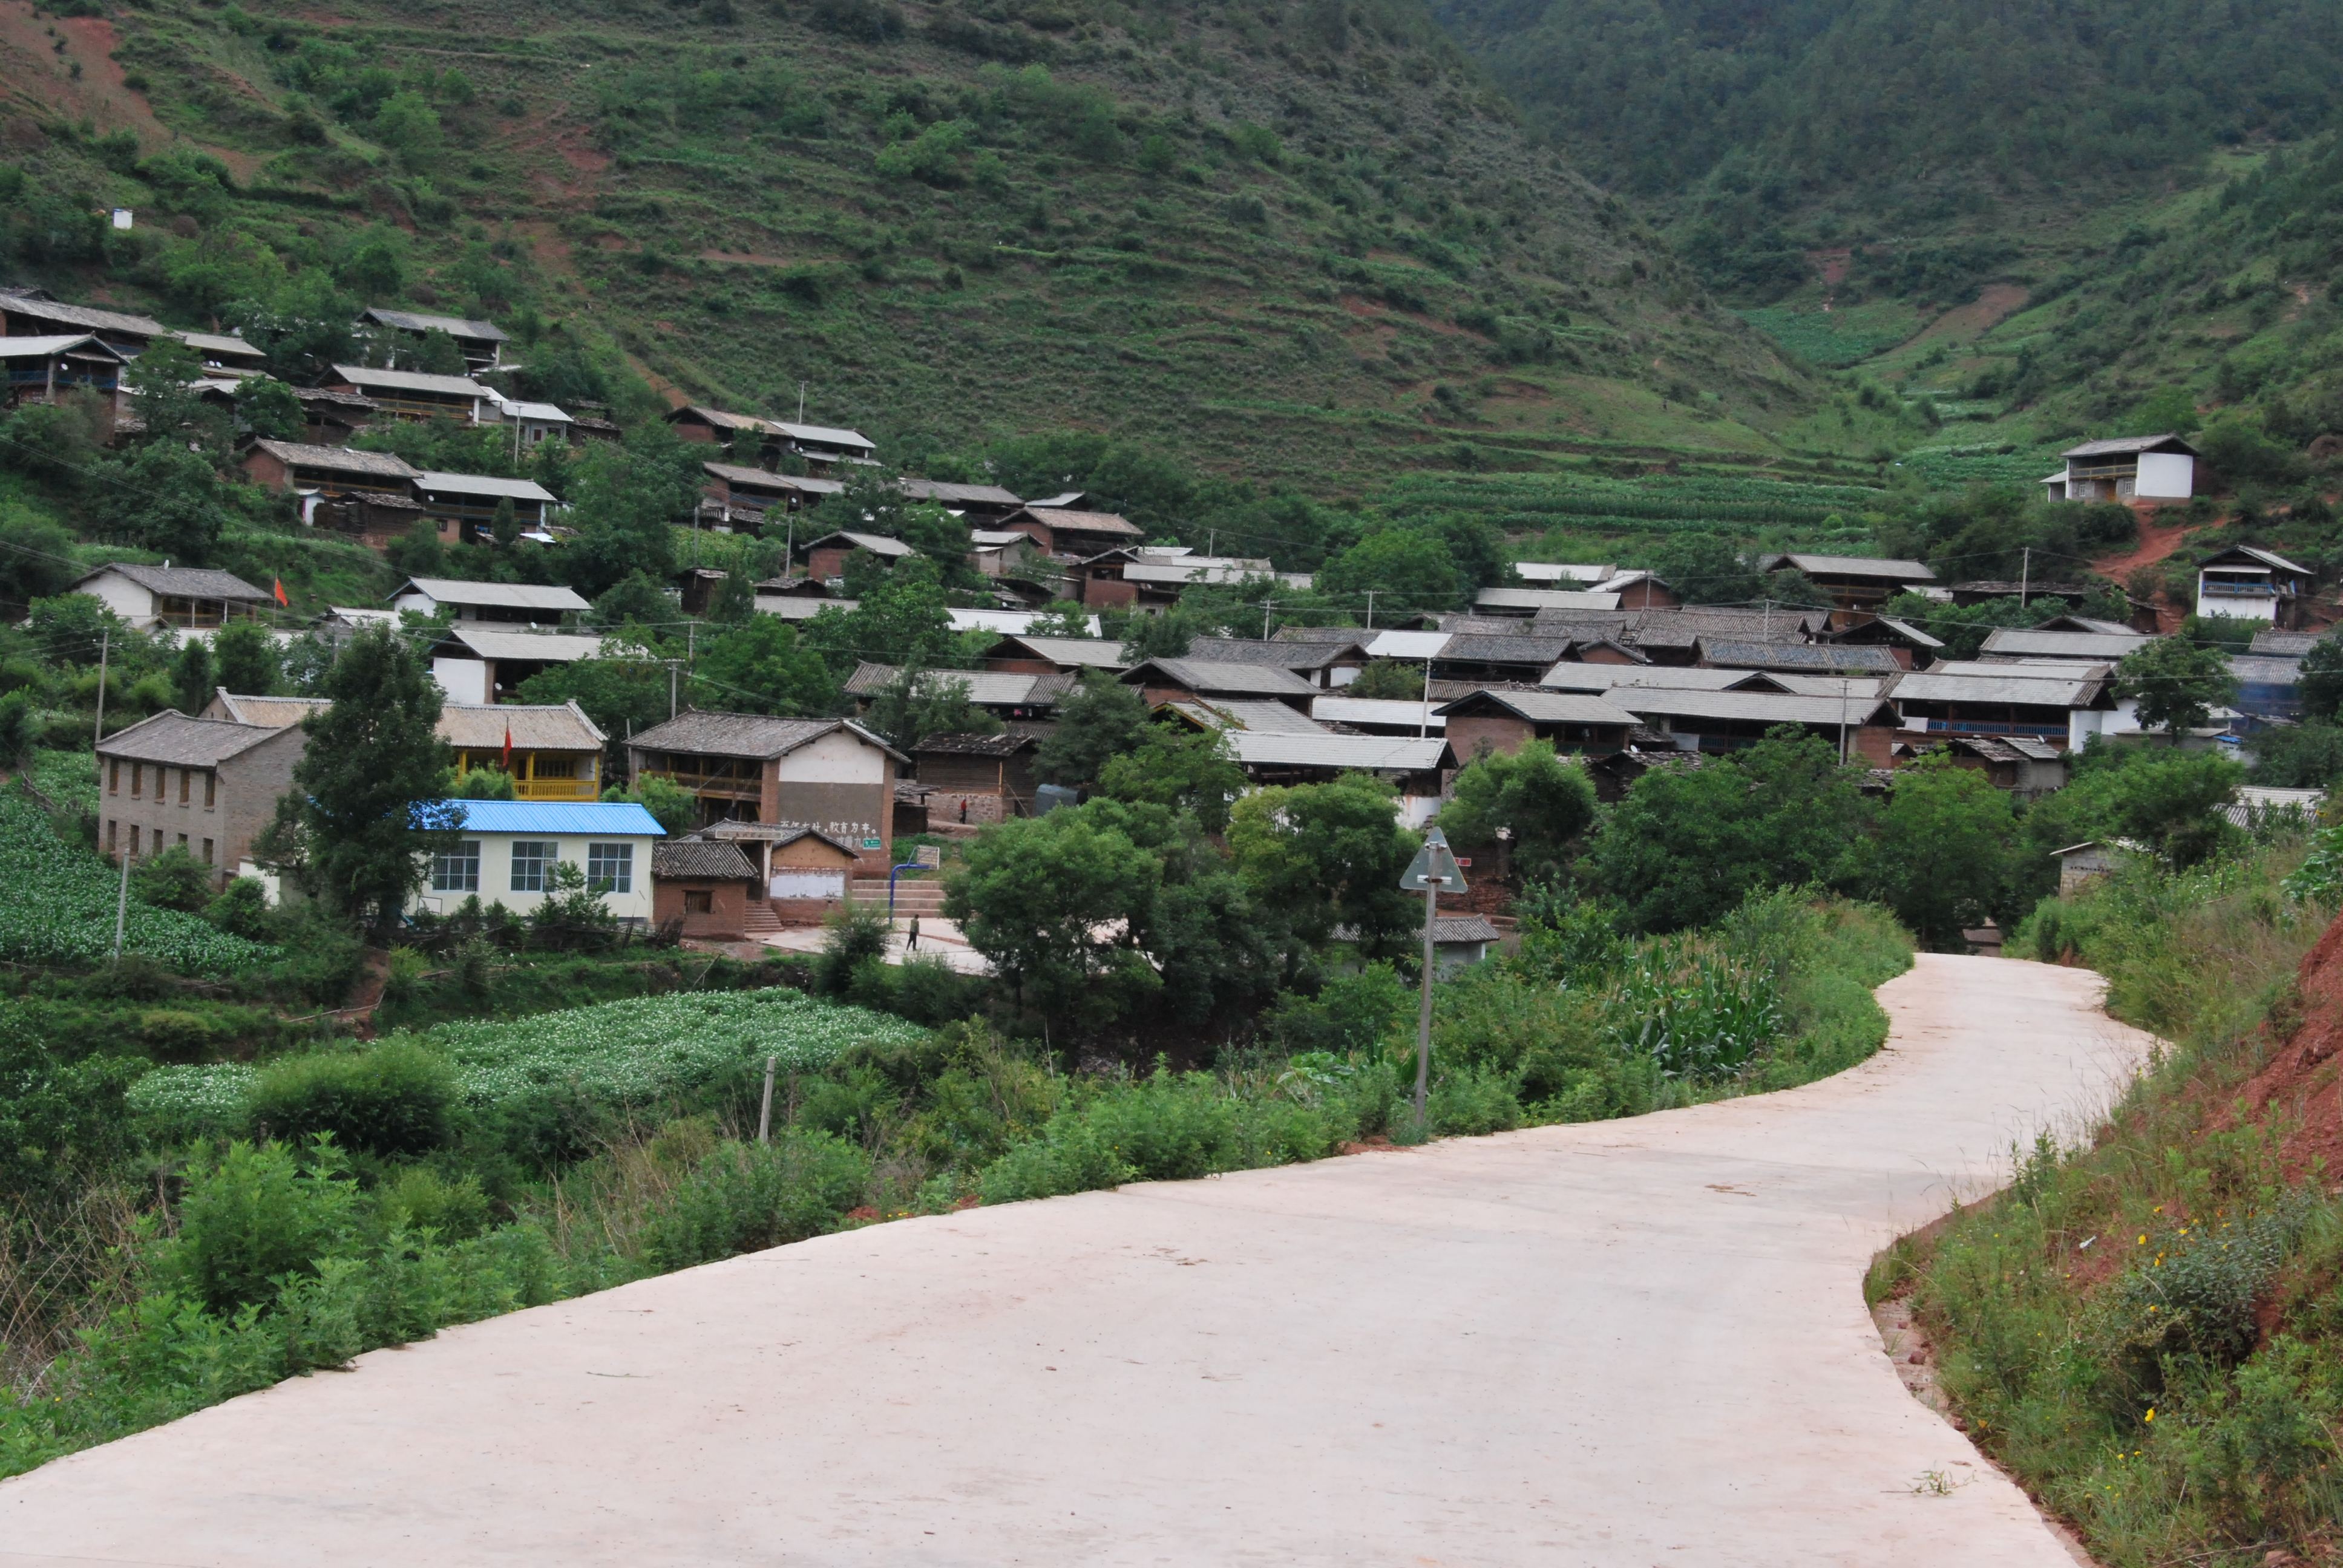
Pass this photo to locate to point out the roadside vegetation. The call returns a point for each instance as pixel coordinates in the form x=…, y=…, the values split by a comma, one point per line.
x=2144, y=1327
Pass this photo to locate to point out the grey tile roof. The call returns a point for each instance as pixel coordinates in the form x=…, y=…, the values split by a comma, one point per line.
x=2123, y=443
x=267, y=712
x=1544, y=598
x=986, y=688
x=753, y=735
x=185, y=582
x=2026, y=689
x=1205, y=678
x=1473, y=648
x=1754, y=706
x=1369, y=753
x=1851, y=567
x=1087, y=653
x=1545, y=707
x=2287, y=644
x=411, y=381
x=339, y=459
x=90, y=318
x=494, y=596
x=2019, y=643
x=1262, y=717
x=1810, y=657
x=1458, y=929
x=453, y=325
x=1288, y=655
x=1066, y=521
x=1323, y=634
x=1007, y=743
x=700, y=860
x=435, y=483
x=877, y=544
x=523, y=647
x=173, y=739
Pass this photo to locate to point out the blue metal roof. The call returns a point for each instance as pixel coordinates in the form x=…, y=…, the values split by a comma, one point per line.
x=558, y=818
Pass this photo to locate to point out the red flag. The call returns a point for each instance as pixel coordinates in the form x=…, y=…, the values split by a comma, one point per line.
x=281, y=599
x=508, y=757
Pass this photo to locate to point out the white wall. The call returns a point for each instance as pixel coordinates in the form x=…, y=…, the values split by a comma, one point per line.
x=840, y=756
x=123, y=597
x=2084, y=723
x=2165, y=475
x=496, y=875
x=463, y=679
x=2239, y=607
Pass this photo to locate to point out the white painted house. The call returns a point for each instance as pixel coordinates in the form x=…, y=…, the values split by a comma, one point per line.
x=2250, y=584
x=183, y=599
x=522, y=604
x=2131, y=467
x=508, y=848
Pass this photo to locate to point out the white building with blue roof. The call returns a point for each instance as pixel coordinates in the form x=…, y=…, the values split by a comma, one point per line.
x=508, y=848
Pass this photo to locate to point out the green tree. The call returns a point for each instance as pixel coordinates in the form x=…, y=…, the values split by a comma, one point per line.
x=172, y=501
x=1049, y=901
x=2171, y=802
x=763, y=665
x=919, y=703
x=1940, y=854
x=1689, y=843
x=1182, y=769
x=481, y=784
x=2305, y=755
x=1328, y=855
x=619, y=695
x=1963, y=627
x=164, y=399
x=2321, y=684
x=1388, y=680
x=268, y=408
x=671, y=806
x=1543, y=801
x=1061, y=617
x=36, y=559
x=1411, y=572
x=1704, y=568
x=191, y=676
x=1100, y=719
x=633, y=600
x=504, y=525
x=357, y=827
x=901, y=620
x=245, y=659
x=438, y=353
x=2175, y=684
x=623, y=502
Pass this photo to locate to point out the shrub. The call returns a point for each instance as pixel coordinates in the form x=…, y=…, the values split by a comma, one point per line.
x=744, y=1196
x=397, y=1098
x=258, y=1214
x=856, y=932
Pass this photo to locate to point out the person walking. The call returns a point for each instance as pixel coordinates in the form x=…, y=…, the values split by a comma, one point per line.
x=912, y=945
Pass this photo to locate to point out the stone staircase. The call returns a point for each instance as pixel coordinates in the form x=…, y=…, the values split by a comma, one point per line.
x=925, y=899
x=759, y=922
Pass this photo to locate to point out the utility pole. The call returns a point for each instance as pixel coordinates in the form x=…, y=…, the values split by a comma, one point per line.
x=802, y=385
x=1264, y=618
x=1424, y=1006
x=670, y=688
x=765, y=1111
x=2024, y=575
x=122, y=904
x=1370, y=608
x=104, y=638
x=1423, y=720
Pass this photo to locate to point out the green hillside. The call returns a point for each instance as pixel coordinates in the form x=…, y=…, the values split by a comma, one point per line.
x=1305, y=244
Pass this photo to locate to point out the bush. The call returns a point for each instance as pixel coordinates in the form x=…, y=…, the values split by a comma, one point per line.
x=259, y=1214
x=396, y=1099
x=241, y=910
x=856, y=932
x=745, y=1196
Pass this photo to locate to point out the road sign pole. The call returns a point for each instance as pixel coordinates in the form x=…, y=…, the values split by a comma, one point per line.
x=1423, y=1009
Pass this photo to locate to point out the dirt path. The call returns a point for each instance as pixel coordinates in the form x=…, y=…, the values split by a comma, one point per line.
x=1628, y=1343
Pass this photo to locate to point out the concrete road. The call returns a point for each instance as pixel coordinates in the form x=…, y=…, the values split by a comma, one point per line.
x=1635, y=1343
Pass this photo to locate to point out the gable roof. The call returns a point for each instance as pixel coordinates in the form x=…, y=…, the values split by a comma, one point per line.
x=739, y=477
x=342, y=459
x=1476, y=647
x=2096, y=647
x=1804, y=656
x=1067, y=520
x=173, y=739
x=823, y=435
x=411, y=381
x=483, y=484
x=1543, y=706
x=1261, y=715
x=1334, y=708
x=2266, y=557
x=2127, y=443
x=1205, y=678
x=21, y=347
x=1850, y=566
x=1534, y=599
x=498, y=595
x=2015, y=686
x=877, y=544
x=519, y=645
x=534, y=727
x=1755, y=707
x=1088, y=653
x=183, y=582
x=754, y=735
x=1455, y=929
x=2287, y=644
x=986, y=688
x=700, y=860
x=1367, y=753
x=949, y=494
x=1285, y=654
x=453, y=325
x=38, y=303
x=1007, y=743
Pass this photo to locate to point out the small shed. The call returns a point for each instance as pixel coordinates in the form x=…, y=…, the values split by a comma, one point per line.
x=805, y=873
x=981, y=779
x=702, y=886
x=2080, y=865
x=1459, y=941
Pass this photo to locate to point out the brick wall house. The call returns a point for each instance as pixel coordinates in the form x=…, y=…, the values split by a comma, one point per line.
x=208, y=784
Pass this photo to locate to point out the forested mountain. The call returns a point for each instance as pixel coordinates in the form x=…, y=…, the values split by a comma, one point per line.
x=1948, y=130
x=1295, y=241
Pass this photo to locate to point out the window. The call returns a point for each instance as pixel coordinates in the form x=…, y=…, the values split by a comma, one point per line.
x=698, y=901
x=137, y=779
x=207, y=851
x=530, y=857
x=134, y=840
x=111, y=824
x=184, y=782
x=113, y=776
x=211, y=790
x=610, y=868
x=543, y=766
x=183, y=841
x=457, y=870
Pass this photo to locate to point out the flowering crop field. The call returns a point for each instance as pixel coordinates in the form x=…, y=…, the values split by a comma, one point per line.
x=59, y=907
x=618, y=1053
x=1654, y=504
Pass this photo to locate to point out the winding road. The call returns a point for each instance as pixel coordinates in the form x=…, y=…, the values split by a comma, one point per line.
x=1628, y=1343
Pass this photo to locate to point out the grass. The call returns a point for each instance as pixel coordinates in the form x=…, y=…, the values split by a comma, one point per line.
x=2145, y=1329
x=1835, y=340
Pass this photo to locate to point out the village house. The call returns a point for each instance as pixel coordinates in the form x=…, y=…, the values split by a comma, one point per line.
x=469, y=502
x=43, y=370
x=331, y=418
x=825, y=559
x=1504, y=720
x=298, y=468
x=508, y=848
x=2024, y=767
x=478, y=663
x=978, y=778
x=498, y=604
x=411, y=394
x=1852, y=582
x=1459, y=942
x=1259, y=715
x=482, y=342
x=183, y=599
x=1069, y=534
x=1528, y=601
x=2250, y=584
x=745, y=500
x=1863, y=729
x=2037, y=645
x=261, y=712
x=2080, y=865
x=1165, y=680
x=1001, y=552
x=533, y=424
x=2027, y=590
x=1379, y=716
x=978, y=504
x=2033, y=702
x=828, y=775
x=1047, y=655
x=1639, y=590
x=2130, y=469
x=2269, y=690
x=1417, y=767
x=551, y=751
x=208, y=786
x=1005, y=694
x=1328, y=665
x=818, y=448
x=804, y=874
x=1474, y=657
x=1797, y=657
x=36, y=313
x=1911, y=648
x=702, y=889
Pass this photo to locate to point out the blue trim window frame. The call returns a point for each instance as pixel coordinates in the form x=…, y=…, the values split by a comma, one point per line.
x=610, y=868
x=457, y=870
x=532, y=862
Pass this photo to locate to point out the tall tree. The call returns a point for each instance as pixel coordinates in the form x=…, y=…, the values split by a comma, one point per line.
x=245, y=659
x=1100, y=719
x=2175, y=684
x=360, y=821
x=1328, y=855
x=1941, y=854
x=1544, y=802
x=191, y=676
